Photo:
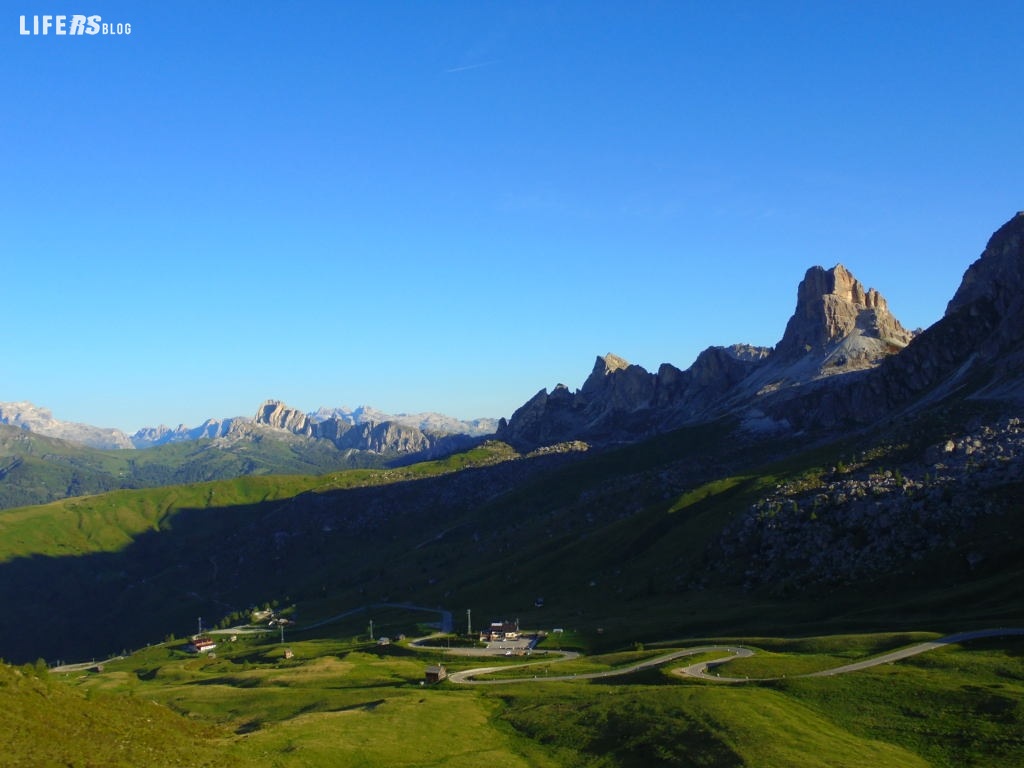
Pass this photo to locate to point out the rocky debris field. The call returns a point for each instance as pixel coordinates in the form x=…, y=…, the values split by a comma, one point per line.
x=855, y=522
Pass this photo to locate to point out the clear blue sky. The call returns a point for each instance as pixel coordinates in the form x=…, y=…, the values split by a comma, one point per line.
x=449, y=205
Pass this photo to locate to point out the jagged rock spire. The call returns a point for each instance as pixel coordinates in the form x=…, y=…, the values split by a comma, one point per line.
x=832, y=305
x=274, y=413
x=604, y=367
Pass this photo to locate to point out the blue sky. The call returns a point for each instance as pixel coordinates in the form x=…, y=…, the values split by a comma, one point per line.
x=448, y=206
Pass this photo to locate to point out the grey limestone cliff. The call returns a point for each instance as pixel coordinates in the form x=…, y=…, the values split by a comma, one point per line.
x=832, y=306
x=385, y=438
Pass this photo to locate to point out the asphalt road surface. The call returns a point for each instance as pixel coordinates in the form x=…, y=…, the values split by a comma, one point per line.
x=701, y=669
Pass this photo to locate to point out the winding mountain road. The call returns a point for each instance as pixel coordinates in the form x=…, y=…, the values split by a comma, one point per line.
x=700, y=669
x=468, y=676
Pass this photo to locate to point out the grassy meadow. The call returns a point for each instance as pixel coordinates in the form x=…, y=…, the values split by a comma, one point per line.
x=342, y=700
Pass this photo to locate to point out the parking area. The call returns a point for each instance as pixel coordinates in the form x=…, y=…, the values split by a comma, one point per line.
x=518, y=647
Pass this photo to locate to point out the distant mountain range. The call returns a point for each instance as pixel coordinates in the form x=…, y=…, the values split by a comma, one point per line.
x=43, y=459
x=41, y=421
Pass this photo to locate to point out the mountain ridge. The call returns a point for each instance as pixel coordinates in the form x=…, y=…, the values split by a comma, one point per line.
x=38, y=467
x=40, y=420
x=843, y=358
x=837, y=328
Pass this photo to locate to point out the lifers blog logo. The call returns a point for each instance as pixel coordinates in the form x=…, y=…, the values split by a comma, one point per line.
x=77, y=24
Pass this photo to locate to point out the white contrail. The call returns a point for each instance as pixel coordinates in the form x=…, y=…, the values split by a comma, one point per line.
x=470, y=66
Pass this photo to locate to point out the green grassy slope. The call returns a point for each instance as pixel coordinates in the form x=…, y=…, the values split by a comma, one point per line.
x=93, y=575
x=342, y=701
x=109, y=522
x=47, y=722
x=36, y=470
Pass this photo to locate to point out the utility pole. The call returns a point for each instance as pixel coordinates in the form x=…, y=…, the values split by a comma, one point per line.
x=282, y=632
x=200, y=626
x=469, y=621
x=371, y=629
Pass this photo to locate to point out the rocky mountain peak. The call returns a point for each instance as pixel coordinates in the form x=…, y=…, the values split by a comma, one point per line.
x=833, y=306
x=999, y=271
x=603, y=368
x=609, y=364
x=274, y=413
x=385, y=437
x=615, y=380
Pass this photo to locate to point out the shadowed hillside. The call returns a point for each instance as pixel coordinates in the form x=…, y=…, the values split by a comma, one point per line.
x=635, y=540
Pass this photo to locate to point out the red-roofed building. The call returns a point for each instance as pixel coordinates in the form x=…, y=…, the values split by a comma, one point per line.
x=201, y=645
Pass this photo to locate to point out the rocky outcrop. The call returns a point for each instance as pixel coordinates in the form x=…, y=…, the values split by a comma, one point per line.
x=618, y=386
x=832, y=306
x=429, y=422
x=716, y=373
x=996, y=276
x=543, y=419
x=385, y=438
x=994, y=286
x=150, y=437
x=602, y=410
x=31, y=417
x=859, y=521
x=276, y=414
x=621, y=402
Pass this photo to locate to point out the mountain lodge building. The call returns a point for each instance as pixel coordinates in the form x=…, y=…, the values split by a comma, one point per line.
x=500, y=630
